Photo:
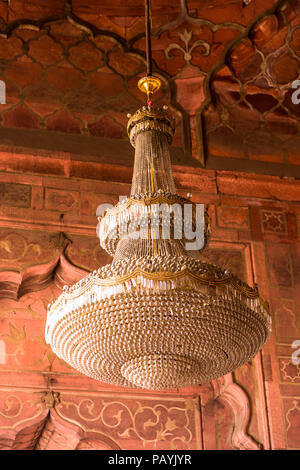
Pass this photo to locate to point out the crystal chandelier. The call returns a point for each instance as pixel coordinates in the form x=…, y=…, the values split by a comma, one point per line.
x=158, y=316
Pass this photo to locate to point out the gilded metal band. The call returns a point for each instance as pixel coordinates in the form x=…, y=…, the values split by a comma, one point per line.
x=147, y=201
x=246, y=290
x=149, y=113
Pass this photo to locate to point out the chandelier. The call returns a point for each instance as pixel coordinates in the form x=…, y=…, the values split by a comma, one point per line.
x=158, y=316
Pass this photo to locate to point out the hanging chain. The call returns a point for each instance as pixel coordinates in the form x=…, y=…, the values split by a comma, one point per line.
x=148, y=37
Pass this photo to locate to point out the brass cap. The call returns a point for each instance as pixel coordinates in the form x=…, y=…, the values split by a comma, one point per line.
x=149, y=85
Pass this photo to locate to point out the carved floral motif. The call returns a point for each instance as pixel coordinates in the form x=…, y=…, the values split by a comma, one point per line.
x=166, y=423
x=186, y=37
x=289, y=372
x=273, y=222
x=232, y=394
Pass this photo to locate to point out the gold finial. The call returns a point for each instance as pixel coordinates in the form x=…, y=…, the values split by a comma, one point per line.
x=149, y=85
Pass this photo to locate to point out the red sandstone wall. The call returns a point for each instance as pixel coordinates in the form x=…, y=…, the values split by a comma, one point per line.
x=71, y=77
x=255, y=233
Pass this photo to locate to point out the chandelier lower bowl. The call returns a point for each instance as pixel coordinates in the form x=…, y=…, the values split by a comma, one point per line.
x=149, y=370
x=157, y=341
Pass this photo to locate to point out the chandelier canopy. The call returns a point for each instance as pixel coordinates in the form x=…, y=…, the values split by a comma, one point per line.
x=158, y=316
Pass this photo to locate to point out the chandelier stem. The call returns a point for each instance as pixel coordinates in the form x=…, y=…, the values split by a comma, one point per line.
x=149, y=84
x=148, y=38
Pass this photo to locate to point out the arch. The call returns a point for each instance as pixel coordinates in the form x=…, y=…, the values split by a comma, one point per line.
x=97, y=441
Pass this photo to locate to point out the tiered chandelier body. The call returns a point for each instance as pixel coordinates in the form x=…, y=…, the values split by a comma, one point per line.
x=156, y=317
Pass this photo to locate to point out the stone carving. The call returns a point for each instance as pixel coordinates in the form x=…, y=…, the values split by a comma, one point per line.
x=50, y=398
x=49, y=420
x=166, y=424
x=289, y=372
x=22, y=418
x=292, y=416
x=186, y=37
x=231, y=393
x=273, y=222
x=17, y=195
